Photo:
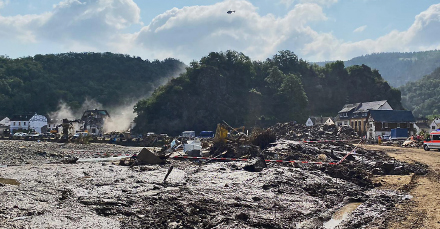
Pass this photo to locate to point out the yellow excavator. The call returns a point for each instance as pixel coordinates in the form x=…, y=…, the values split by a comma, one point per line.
x=222, y=131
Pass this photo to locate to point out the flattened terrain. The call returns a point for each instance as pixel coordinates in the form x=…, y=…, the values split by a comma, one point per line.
x=424, y=210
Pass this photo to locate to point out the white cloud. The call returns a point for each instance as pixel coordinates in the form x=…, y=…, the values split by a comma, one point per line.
x=193, y=32
x=289, y=3
x=73, y=22
x=360, y=29
x=421, y=35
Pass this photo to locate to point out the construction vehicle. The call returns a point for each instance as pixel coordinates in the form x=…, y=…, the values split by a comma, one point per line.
x=225, y=132
x=68, y=129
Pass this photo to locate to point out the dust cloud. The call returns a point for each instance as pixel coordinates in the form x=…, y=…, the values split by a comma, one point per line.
x=121, y=116
x=63, y=112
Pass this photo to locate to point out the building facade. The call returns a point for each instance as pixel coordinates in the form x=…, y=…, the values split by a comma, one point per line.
x=381, y=122
x=355, y=115
x=28, y=122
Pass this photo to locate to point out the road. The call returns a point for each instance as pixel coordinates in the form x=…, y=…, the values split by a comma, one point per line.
x=424, y=209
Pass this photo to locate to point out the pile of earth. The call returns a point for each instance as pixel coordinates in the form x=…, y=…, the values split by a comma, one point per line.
x=357, y=167
x=299, y=132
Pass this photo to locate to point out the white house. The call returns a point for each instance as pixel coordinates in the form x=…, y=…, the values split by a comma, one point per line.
x=5, y=122
x=435, y=124
x=329, y=122
x=28, y=121
x=422, y=126
x=311, y=121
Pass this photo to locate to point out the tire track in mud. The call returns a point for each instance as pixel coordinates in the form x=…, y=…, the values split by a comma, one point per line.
x=423, y=211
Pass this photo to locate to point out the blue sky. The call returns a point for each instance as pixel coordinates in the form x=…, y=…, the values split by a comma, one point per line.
x=316, y=30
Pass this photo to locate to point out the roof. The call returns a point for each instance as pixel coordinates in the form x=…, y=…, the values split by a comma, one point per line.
x=423, y=125
x=375, y=105
x=96, y=112
x=319, y=120
x=392, y=116
x=436, y=121
x=348, y=107
x=22, y=117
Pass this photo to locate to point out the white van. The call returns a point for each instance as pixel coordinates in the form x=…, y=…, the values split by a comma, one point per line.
x=189, y=134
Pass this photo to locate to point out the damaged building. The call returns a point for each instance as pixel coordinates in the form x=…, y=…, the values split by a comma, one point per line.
x=94, y=121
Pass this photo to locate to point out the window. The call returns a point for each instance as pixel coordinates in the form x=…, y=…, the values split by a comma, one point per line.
x=386, y=125
x=24, y=123
x=364, y=114
x=13, y=124
x=398, y=125
x=433, y=127
x=19, y=123
x=436, y=137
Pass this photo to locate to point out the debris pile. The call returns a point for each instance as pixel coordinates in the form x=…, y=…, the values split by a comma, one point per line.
x=163, y=193
x=234, y=150
x=298, y=132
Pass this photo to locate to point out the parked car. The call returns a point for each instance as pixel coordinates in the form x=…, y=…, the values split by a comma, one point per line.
x=80, y=134
x=19, y=135
x=33, y=135
x=48, y=135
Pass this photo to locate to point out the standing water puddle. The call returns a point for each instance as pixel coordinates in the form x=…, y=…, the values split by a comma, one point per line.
x=9, y=181
x=341, y=215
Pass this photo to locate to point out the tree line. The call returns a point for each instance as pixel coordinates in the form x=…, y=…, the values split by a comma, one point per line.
x=230, y=86
x=39, y=83
x=422, y=96
x=399, y=68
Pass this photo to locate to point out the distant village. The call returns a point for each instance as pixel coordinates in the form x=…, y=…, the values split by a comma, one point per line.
x=377, y=118
x=368, y=119
x=91, y=123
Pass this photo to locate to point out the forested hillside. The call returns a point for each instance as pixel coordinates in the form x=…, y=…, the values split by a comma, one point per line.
x=422, y=96
x=229, y=86
x=39, y=83
x=399, y=68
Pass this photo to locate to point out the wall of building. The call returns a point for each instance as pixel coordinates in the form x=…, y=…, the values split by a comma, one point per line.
x=309, y=122
x=359, y=125
x=17, y=125
x=37, y=122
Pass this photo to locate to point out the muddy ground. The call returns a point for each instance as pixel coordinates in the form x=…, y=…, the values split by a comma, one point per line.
x=39, y=190
x=423, y=211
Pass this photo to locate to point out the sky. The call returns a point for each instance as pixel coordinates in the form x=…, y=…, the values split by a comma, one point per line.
x=315, y=30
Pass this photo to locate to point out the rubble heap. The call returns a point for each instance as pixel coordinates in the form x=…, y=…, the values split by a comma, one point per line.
x=184, y=194
x=298, y=132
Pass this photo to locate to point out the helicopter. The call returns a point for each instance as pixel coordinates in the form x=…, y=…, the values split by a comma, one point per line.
x=230, y=12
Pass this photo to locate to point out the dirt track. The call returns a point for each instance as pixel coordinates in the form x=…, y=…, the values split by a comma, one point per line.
x=424, y=210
